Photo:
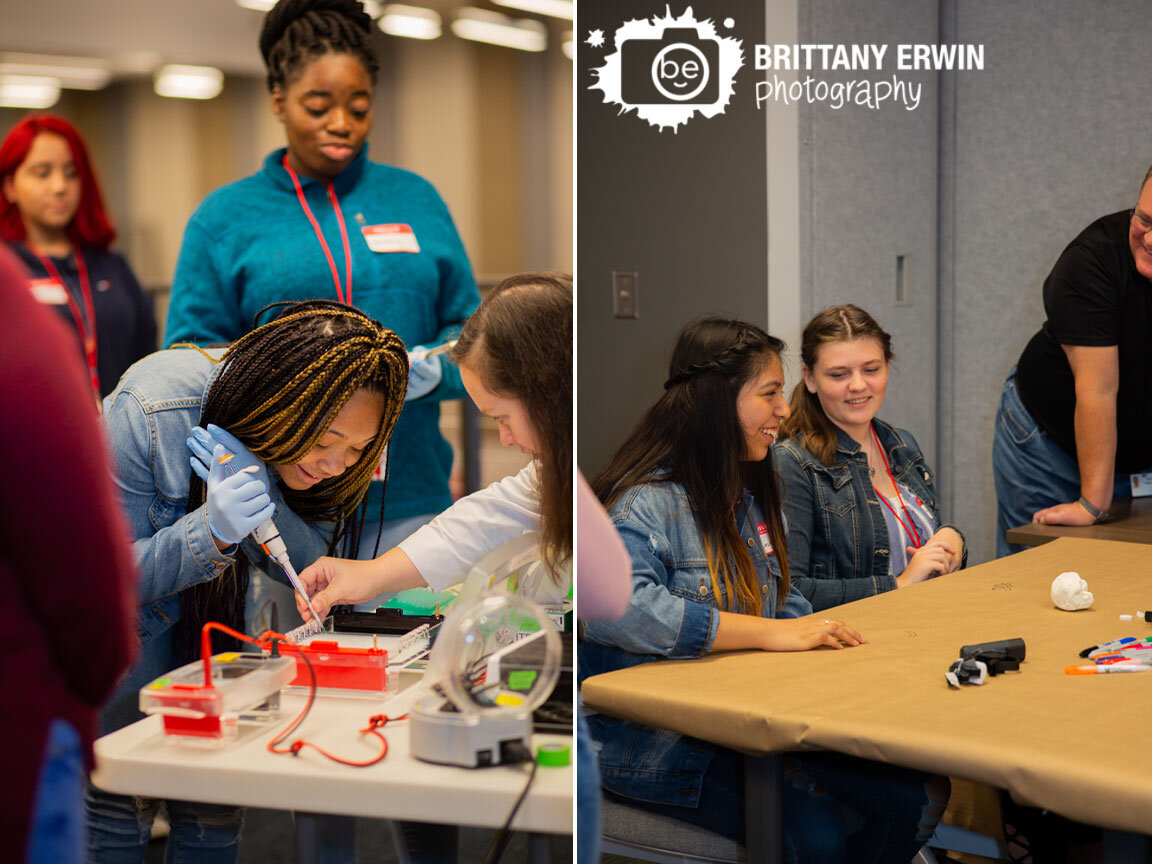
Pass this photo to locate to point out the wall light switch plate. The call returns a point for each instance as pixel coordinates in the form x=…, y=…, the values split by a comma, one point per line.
x=625, y=299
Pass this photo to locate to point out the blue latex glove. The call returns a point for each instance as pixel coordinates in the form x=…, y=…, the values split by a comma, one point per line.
x=424, y=373
x=237, y=503
x=202, y=442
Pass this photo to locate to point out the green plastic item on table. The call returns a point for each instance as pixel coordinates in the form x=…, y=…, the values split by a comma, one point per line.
x=421, y=601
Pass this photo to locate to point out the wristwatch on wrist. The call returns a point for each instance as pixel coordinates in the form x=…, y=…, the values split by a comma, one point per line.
x=1097, y=514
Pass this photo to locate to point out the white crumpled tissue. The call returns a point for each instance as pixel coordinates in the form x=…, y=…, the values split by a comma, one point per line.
x=1070, y=592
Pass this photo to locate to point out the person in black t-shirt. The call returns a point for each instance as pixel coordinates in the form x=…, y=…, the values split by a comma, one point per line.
x=1072, y=427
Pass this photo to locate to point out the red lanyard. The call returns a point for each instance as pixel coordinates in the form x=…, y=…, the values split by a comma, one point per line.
x=910, y=528
x=344, y=295
x=86, y=321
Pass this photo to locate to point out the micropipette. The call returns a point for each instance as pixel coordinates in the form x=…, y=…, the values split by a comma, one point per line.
x=268, y=536
x=439, y=349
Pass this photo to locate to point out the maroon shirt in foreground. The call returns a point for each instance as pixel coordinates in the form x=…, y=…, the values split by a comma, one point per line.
x=67, y=580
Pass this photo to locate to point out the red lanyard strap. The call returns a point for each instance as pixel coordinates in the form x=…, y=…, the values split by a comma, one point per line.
x=910, y=528
x=86, y=320
x=345, y=296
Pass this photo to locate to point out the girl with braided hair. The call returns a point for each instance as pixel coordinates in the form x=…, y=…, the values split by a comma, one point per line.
x=321, y=219
x=515, y=356
x=863, y=517
x=306, y=404
x=693, y=495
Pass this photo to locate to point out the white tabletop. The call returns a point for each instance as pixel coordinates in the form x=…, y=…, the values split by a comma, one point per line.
x=141, y=760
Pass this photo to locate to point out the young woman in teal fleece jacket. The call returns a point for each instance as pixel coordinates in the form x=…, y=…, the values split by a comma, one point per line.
x=252, y=242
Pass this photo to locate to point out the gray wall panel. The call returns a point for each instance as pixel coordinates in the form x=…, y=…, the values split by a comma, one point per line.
x=868, y=194
x=1048, y=137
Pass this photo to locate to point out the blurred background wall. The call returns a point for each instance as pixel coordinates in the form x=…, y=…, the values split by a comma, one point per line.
x=489, y=126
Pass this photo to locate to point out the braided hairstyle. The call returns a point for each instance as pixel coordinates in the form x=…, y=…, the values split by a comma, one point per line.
x=818, y=435
x=518, y=342
x=278, y=390
x=295, y=32
x=692, y=436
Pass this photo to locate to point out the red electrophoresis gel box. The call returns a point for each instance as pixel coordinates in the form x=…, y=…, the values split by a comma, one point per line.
x=338, y=667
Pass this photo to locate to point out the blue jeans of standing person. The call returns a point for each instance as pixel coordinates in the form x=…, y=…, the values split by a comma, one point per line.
x=120, y=826
x=588, y=827
x=1031, y=470
x=836, y=808
x=56, y=831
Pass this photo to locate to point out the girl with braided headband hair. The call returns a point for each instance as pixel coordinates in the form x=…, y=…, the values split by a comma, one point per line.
x=320, y=219
x=306, y=405
x=693, y=496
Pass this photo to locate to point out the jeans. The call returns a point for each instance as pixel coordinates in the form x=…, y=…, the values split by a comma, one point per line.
x=1031, y=470
x=120, y=826
x=56, y=832
x=588, y=828
x=837, y=809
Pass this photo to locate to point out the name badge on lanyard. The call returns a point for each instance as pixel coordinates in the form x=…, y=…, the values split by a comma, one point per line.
x=382, y=465
x=48, y=291
x=762, y=530
x=394, y=237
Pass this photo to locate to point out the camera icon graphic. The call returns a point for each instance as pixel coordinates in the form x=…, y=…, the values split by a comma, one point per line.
x=674, y=69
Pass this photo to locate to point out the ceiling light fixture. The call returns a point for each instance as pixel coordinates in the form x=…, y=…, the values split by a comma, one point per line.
x=481, y=25
x=188, y=82
x=258, y=5
x=28, y=91
x=555, y=8
x=566, y=44
x=74, y=73
x=411, y=22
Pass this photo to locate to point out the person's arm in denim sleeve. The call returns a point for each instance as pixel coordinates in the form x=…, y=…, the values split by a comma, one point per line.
x=655, y=621
x=796, y=605
x=204, y=307
x=172, y=557
x=800, y=510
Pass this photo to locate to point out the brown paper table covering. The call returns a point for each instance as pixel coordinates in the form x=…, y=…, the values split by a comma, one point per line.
x=1076, y=744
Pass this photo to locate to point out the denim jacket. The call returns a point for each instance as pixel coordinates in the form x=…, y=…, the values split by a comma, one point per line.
x=672, y=614
x=148, y=418
x=838, y=543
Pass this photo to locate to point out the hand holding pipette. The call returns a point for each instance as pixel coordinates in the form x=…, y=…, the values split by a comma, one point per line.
x=202, y=441
x=237, y=503
x=424, y=370
x=268, y=536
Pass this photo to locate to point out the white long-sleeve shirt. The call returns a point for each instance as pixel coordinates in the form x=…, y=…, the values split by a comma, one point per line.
x=445, y=549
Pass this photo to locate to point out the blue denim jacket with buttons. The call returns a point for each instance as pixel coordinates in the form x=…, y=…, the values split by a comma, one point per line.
x=838, y=544
x=148, y=418
x=671, y=614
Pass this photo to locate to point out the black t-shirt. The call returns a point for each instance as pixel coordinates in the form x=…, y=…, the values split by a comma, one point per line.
x=1094, y=296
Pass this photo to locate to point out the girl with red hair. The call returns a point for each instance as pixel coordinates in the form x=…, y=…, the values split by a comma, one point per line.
x=52, y=215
